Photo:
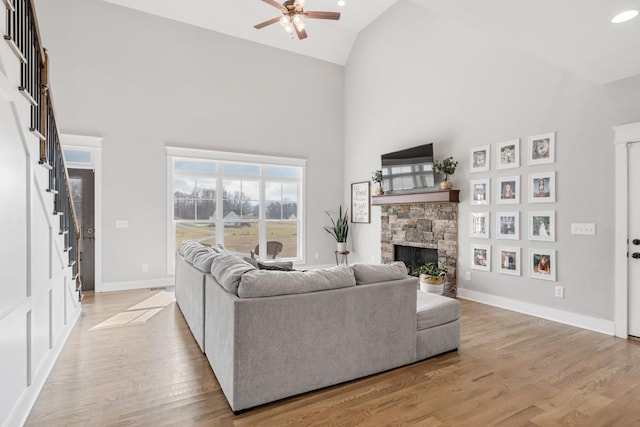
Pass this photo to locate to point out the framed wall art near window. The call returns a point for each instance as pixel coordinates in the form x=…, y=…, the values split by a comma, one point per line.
x=542, y=264
x=508, y=154
x=508, y=188
x=480, y=191
x=481, y=257
x=508, y=225
x=361, y=202
x=479, y=225
x=541, y=149
x=542, y=226
x=480, y=158
x=542, y=187
x=508, y=260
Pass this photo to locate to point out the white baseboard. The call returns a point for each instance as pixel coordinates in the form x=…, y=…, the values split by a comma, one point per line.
x=574, y=319
x=135, y=284
x=23, y=408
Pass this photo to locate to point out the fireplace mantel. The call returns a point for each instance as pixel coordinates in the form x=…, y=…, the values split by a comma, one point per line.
x=440, y=196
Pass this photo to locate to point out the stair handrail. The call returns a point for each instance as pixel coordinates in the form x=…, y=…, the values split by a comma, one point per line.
x=25, y=40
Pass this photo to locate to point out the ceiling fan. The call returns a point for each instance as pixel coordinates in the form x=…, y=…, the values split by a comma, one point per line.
x=293, y=15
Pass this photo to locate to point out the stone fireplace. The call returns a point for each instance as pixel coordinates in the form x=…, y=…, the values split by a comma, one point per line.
x=423, y=225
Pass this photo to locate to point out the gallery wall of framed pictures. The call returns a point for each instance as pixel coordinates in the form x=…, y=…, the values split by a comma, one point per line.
x=536, y=188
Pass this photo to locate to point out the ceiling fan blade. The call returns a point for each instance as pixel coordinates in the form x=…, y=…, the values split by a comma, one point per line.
x=323, y=15
x=302, y=34
x=266, y=23
x=273, y=3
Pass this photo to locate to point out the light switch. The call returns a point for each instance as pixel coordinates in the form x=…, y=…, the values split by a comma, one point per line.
x=122, y=223
x=583, y=228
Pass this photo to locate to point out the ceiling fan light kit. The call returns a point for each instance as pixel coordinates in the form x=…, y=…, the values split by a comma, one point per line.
x=293, y=15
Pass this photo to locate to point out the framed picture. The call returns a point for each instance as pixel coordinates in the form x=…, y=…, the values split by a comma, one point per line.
x=361, y=202
x=542, y=148
x=542, y=226
x=508, y=188
x=480, y=158
x=542, y=187
x=479, y=225
x=481, y=257
x=509, y=260
x=480, y=191
x=508, y=225
x=508, y=154
x=542, y=264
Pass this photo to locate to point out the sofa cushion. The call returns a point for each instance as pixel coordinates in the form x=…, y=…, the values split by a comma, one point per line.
x=202, y=260
x=186, y=245
x=191, y=253
x=434, y=310
x=265, y=283
x=373, y=273
x=218, y=248
x=228, y=269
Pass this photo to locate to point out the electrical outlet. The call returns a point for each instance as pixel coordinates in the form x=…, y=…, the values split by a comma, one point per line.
x=316, y=255
x=145, y=268
x=467, y=275
x=559, y=291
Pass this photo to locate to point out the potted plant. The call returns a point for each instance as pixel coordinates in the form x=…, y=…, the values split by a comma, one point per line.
x=445, y=167
x=432, y=276
x=377, y=178
x=339, y=229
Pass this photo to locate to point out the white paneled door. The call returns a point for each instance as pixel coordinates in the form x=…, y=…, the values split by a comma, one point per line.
x=634, y=239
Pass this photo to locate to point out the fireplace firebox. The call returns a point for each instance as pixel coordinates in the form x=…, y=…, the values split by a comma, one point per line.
x=413, y=256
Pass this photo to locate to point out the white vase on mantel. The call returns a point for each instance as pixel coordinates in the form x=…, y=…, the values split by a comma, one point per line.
x=342, y=246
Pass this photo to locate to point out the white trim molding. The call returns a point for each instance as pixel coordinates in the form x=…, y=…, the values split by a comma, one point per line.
x=199, y=153
x=624, y=135
x=137, y=284
x=595, y=324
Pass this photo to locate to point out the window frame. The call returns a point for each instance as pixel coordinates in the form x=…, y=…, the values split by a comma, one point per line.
x=220, y=158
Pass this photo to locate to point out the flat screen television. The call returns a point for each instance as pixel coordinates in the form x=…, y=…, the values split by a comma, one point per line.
x=408, y=170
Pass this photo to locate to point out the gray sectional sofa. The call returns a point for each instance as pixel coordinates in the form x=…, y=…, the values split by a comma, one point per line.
x=274, y=334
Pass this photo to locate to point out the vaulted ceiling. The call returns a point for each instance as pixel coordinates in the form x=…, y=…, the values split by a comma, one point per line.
x=576, y=35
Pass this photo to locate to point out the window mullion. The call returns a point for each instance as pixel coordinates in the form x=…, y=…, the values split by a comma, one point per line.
x=262, y=223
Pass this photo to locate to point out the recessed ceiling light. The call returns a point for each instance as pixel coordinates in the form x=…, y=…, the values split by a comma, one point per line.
x=341, y=2
x=624, y=16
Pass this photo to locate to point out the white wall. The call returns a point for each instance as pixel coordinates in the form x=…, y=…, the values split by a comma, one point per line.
x=143, y=82
x=38, y=302
x=433, y=79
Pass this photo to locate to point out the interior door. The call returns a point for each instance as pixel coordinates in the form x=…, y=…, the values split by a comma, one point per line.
x=634, y=239
x=82, y=191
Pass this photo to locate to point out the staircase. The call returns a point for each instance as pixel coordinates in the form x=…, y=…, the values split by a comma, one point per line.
x=40, y=285
x=23, y=37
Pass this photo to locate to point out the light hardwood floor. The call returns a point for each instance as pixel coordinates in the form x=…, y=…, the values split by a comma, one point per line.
x=510, y=370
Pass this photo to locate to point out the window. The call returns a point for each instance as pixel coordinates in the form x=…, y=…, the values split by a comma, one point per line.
x=259, y=198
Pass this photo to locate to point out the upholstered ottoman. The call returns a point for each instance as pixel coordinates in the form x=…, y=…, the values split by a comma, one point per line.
x=438, y=324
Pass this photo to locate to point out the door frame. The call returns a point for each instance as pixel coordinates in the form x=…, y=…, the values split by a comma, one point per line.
x=92, y=144
x=624, y=136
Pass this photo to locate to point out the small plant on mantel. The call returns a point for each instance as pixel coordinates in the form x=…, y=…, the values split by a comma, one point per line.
x=446, y=167
x=376, y=177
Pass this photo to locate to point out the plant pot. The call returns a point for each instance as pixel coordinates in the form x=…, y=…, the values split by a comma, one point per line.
x=446, y=185
x=342, y=247
x=379, y=191
x=431, y=284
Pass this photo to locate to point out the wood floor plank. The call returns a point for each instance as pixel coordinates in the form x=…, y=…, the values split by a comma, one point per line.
x=511, y=370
